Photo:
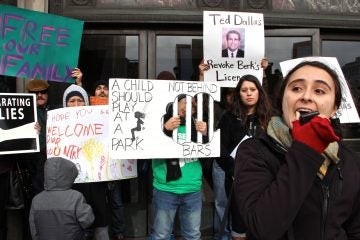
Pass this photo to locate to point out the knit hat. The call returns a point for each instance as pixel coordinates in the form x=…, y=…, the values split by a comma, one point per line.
x=165, y=75
x=75, y=90
x=37, y=85
x=100, y=82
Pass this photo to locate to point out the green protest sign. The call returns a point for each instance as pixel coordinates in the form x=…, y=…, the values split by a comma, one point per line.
x=38, y=45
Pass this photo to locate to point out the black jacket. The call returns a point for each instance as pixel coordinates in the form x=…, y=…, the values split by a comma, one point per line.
x=280, y=196
x=231, y=134
x=239, y=53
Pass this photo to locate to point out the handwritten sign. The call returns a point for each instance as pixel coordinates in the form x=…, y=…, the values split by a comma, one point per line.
x=137, y=108
x=233, y=46
x=80, y=134
x=17, y=123
x=347, y=112
x=38, y=45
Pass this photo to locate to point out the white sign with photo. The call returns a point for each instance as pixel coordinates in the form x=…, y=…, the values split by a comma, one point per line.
x=233, y=46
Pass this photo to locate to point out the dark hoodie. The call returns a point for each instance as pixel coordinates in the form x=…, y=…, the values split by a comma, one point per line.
x=59, y=212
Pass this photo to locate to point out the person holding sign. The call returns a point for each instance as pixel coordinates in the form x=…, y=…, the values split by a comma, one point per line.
x=177, y=182
x=94, y=192
x=298, y=180
x=101, y=97
x=249, y=115
x=41, y=89
x=246, y=111
x=101, y=89
x=15, y=163
x=233, y=45
x=101, y=93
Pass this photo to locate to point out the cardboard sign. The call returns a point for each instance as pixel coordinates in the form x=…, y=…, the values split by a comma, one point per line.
x=38, y=45
x=137, y=108
x=347, y=112
x=17, y=123
x=98, y=100
x=233, y=46
x=81, y=135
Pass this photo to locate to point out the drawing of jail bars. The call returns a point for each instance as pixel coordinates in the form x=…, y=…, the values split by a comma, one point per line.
x=200, y=116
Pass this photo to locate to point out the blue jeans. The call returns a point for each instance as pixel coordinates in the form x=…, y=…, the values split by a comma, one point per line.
x=220, y=200
x=166, y=204
x=117, y=208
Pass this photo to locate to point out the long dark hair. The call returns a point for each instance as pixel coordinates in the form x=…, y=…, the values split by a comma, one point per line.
x=263, y=109
x=317, y=64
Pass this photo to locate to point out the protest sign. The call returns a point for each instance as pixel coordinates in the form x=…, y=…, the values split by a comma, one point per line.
x=233, y=46
x=38, y=45
x=138, y=108
x=347, y=112
x=98, y=100
x=80, y=134
x=17, y=123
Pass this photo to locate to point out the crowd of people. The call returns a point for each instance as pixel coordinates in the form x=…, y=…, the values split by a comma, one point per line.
x=104, y=198
x=276, y=178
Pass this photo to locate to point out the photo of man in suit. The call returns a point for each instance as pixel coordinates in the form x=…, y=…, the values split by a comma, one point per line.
x=233, y=43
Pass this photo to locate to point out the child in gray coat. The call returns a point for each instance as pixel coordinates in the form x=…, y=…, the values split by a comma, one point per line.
x=59, y=212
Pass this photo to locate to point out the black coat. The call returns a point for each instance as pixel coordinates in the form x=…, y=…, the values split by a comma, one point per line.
x=95, y=196
x=239, y=54
x=232, y=132
x=280, y=196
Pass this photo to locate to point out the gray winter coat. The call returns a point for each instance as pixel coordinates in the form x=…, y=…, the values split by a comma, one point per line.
x=59, y=212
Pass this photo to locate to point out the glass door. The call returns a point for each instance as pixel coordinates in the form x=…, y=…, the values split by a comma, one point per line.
x=285, y=44
x=177, y=52
x=105, y=54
